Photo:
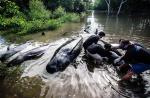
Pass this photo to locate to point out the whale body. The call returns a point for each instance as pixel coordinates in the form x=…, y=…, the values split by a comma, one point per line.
x=10, y=51
x=29, y=55
x=64, y=55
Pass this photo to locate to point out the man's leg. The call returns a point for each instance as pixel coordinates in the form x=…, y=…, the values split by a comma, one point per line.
x=128, y=75
x=139, y=68
x=136, y=69
x=124, y=68
x=96, y=57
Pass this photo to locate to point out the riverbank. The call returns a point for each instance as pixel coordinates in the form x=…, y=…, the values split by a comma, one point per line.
x=65, y=30
x=35, y=20
x=21, y=26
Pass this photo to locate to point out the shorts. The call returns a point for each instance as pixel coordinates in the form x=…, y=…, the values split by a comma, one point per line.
x=139, y=68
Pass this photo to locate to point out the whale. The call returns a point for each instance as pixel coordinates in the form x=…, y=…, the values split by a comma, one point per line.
x=9, y=51
x=65, y=55
x=32, y=54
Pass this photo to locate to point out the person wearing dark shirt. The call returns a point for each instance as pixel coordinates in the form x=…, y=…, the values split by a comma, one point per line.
x=108, y=47
x=137, y=56
x=93, y=39
x=100, y=54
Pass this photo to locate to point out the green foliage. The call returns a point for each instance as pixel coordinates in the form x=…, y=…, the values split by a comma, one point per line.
x=100, y=5
x=6, y=72
x=68, y=5
x=38, y=25
x=30, y=26
x=14, y=22
x=59, y=12
x=9, y=9
x=70, y=17
x=77, y=6
x=37, y=19
x=37, y=10
x=53, y=24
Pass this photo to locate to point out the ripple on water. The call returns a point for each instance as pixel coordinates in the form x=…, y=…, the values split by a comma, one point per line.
x=80, y=79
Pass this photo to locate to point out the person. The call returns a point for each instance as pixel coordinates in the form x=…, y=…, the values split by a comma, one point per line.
x=108, y=47
x=100, y=54
x=137, y=56
x=93, y=39
x=96, y=51
x=112, y=54
x=132, y=42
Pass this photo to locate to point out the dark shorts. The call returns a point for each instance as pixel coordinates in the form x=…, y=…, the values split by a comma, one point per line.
x=139, y=68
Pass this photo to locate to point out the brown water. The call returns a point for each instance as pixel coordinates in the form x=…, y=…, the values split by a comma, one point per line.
x=81, y=79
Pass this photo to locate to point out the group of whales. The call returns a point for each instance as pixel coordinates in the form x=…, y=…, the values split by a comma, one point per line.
x=63, y=56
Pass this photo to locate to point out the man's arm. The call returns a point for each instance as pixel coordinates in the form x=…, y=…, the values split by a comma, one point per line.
x=104, y=42
x=124, y=57
x=118, y=59
x=117, y=52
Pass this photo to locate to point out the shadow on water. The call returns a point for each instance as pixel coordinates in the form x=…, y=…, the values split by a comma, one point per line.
x=82, y=78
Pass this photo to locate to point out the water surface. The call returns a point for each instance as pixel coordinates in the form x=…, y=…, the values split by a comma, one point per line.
x=81, y=79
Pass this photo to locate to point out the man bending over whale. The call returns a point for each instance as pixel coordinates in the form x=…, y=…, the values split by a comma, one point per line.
x=93, y=39
x=137, y=56
x=98, y=53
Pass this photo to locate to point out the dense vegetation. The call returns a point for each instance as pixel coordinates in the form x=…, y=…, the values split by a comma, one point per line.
x=127, y=7
x=27, y=16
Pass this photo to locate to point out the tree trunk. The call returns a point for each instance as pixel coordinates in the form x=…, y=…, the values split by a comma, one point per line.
x=120, y=6
x=108, y=6
x=108, y=10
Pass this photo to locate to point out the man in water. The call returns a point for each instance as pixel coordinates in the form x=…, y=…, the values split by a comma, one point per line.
x=137, y=56
x=93, y=39
x=91, y=45
x=112, y=54
x=98, y=53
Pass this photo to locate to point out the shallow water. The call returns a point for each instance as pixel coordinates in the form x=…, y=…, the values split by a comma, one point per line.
x=82, y=78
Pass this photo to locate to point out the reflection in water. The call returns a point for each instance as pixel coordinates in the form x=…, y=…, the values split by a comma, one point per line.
x=135, y=28
x=93, y=24
x=82, y=79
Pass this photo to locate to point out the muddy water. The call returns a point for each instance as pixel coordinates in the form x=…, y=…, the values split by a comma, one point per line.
x=81, y=79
